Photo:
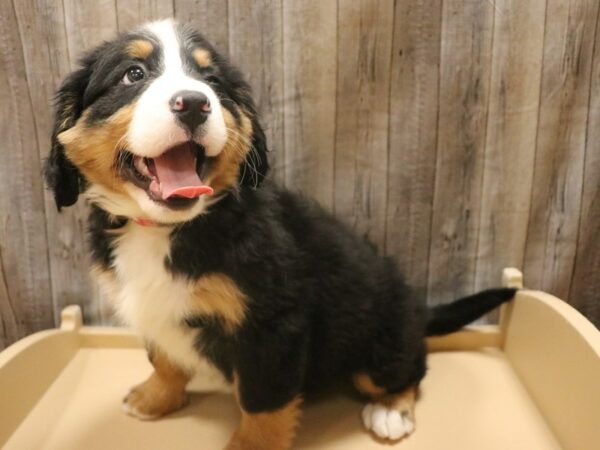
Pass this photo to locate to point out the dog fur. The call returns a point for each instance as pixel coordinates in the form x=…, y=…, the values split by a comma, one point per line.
x=262, y=283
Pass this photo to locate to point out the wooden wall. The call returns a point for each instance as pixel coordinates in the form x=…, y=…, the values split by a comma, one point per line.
x=461, y=136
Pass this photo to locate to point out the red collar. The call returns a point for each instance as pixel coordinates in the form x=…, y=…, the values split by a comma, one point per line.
x=144, y=222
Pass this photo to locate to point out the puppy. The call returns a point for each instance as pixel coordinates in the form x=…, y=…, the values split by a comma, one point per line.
x=209, y=262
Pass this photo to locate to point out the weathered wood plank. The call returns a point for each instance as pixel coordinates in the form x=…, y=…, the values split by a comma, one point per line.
x=558, y=174
x=518, y=44
x=309, y=58
x=46, y=57
x=209, y=17
x=365, y=30
x=459, y=198
x=255, y=40
x=584, y=294
x=8, y=316
x=464, y=91
x=585, y=288
x=25, y=286
x=414, y=100
x=87, y=24
x=132, y=13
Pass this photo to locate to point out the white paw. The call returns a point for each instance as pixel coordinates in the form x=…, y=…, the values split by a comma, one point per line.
x=387, y=423
x=150, y=404
x=134, y=412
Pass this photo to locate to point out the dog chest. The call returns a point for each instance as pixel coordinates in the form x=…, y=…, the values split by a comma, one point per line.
x=149, y=298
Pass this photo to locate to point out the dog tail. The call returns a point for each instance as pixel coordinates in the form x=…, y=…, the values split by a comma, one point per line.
x=444, y=319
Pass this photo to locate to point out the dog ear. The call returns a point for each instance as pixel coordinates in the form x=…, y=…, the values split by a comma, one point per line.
x=256, y=164
x=61, y=175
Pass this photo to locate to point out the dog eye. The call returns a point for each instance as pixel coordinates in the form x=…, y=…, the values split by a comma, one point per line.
x=133, y=75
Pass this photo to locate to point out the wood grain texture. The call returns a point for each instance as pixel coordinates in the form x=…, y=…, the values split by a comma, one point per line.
x=585, y=288
x=464, y=91
x=309, y=55
x=558, y=169
x=362, y=112
x=459, y=135
x=414, y=101
x=255, y=41
x=209, y=17
x=87, y=24
x=518, y=44
x=133, y=13
x=45, y=51
x=25, y=286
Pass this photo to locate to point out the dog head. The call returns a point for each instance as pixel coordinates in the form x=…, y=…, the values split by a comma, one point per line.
x=157, y=125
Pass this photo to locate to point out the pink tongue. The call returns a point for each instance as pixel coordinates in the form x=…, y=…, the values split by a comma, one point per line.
x=176, y=172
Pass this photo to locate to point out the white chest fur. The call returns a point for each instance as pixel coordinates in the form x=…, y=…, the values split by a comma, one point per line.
x=149, y=299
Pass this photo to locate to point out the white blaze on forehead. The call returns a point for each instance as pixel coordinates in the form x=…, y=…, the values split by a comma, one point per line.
x=164, y=30
x=154, y=127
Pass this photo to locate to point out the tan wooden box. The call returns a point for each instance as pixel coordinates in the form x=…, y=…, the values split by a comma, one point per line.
x=531, y=383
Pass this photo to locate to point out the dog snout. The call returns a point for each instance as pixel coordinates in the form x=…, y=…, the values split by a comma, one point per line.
x=191, y=108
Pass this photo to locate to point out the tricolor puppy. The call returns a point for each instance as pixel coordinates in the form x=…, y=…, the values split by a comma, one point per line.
x=208, y=263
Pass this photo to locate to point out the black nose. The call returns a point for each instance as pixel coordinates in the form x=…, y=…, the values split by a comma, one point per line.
x=191, y=108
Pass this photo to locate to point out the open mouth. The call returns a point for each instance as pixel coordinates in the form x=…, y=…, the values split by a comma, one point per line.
x=174, y=178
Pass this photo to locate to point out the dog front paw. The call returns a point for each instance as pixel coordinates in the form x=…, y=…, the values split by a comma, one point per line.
x=153, y=399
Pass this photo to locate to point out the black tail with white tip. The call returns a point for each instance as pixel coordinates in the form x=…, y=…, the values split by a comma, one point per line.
x=444, y=319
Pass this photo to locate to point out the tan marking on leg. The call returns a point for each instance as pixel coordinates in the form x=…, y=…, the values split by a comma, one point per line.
x=274, y=430
x=163, y=392
x=217, y=294
x=404, y=401
x=139, y=48
x=202, y=57
x=365, y=385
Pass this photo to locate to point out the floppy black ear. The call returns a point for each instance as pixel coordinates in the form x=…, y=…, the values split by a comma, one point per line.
x=61, y=175
x=256, y=164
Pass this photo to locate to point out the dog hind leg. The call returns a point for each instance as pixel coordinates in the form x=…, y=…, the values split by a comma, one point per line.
x=388, y=415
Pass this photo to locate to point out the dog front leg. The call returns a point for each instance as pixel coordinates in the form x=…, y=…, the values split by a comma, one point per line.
x=162, y=393
x=270, y=430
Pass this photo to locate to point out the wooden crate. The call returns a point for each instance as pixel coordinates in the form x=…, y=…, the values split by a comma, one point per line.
x=530, y=383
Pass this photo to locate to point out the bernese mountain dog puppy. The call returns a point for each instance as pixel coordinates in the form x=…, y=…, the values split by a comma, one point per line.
x=209, y=263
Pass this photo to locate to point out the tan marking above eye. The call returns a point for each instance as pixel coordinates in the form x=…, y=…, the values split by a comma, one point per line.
x=202, y=57
x=140, y=48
